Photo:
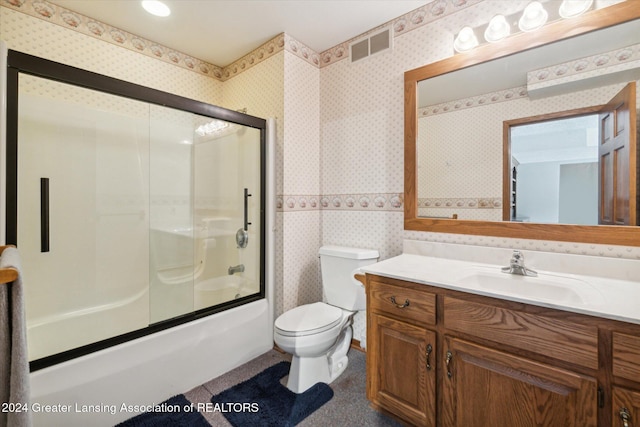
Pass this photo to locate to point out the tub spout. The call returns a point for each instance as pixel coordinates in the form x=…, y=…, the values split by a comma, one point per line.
x=236, y=269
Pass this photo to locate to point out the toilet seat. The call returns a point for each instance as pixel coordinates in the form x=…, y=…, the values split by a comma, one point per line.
x=308, y=319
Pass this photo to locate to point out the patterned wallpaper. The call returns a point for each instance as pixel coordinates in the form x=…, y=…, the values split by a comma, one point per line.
x=339, y=153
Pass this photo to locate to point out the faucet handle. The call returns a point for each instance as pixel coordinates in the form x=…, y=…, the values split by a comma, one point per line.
x=517, y=257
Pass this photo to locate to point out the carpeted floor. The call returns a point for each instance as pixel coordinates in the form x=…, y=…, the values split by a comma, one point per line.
x=349, y=405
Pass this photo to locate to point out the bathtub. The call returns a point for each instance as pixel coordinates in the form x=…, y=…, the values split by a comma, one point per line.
x=217, y=290
x=84, y=326
x=150, y=369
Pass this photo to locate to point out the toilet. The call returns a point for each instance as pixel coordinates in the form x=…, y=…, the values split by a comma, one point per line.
x=318, y=335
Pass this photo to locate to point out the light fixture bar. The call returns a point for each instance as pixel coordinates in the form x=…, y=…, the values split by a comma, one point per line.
x=533, y=17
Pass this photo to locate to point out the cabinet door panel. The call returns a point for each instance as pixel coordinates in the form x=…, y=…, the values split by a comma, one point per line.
x=626, y=356
x=403, y=380
x=626, y=405
x=492, y=388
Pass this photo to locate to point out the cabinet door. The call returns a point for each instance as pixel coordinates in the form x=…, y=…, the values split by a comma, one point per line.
x=626, y=408
x=485, y=387
x=401, y=369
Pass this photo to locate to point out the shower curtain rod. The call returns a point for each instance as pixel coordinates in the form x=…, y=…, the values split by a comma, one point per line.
x=7, y=275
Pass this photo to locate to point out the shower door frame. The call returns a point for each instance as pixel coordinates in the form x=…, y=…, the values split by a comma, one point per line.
x=19, y=62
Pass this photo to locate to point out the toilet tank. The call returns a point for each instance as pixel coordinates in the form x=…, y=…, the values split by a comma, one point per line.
x=338, y=265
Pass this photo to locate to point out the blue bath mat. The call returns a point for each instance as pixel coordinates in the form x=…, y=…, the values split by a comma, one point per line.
x=184, y=415
x=263, y=401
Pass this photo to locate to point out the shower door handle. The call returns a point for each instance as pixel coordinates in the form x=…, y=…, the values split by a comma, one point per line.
x=44, y=214
x=242, y=236
x=246, y=209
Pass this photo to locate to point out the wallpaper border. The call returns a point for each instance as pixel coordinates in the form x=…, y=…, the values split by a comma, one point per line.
x=66, y=18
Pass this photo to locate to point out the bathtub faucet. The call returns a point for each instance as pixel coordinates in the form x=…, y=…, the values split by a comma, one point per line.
x=236, y=269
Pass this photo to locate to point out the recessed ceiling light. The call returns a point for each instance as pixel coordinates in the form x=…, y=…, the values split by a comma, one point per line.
x=156, y=7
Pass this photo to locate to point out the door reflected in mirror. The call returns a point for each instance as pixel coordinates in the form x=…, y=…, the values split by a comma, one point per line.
x=573, y=167
x=554, y=171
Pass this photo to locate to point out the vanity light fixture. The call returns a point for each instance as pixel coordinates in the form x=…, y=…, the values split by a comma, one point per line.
x=498, y=29
x=573, y=8
x=533, y=17
x=465, y=40
x=156, y=8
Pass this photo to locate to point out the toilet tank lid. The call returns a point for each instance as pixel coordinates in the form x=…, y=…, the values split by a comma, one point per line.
x=345, y=252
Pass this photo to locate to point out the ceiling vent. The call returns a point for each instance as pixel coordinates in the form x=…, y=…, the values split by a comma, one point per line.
x=376, y=43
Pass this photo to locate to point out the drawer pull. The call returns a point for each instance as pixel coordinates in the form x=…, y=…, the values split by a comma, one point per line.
x=625, y=416
x=448, y=363
x=429, y=350
x=393, y=300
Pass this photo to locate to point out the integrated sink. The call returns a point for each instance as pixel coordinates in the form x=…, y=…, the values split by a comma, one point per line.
x=544, y=287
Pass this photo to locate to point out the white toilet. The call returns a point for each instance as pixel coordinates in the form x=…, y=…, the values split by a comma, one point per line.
x=318, y=335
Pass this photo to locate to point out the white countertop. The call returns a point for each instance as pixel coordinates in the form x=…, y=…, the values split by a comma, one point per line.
x=616, y=297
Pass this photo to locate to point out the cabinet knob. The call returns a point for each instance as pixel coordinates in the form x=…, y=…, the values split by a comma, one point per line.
x=625, y=416
x=393, y=300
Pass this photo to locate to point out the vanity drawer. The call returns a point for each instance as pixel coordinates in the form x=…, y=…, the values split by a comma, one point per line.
x=626, y=356
x=403, y=302
x=552, y=337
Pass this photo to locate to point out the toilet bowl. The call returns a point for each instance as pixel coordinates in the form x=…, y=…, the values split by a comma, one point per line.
x=318, y=335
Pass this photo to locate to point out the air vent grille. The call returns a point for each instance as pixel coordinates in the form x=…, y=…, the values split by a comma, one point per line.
x=376, y=43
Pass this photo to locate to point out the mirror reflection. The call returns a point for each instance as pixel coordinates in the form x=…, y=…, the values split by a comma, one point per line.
x=496, y=142
x=554, y=171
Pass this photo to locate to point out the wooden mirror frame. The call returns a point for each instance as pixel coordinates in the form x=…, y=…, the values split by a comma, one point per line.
x=554, y=31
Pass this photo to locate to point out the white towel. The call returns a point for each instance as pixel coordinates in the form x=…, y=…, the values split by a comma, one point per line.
x=14, y=360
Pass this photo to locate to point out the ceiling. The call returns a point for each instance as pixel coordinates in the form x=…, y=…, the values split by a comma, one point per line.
x=222, y=31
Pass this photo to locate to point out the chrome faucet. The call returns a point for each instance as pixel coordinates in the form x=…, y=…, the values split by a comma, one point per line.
x=236, y=269
x=516, y=266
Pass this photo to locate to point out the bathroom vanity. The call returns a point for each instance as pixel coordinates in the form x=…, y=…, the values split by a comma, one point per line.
x=450, y=344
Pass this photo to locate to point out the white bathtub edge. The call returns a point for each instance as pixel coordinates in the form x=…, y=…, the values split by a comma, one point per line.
x=150, y=369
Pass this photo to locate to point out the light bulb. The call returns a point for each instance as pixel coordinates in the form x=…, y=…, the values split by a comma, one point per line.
x=573, y=8
x=533, y=17
x=498, y=29
x=466, y=40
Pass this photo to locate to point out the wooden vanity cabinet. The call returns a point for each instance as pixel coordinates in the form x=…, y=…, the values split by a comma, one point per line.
x=401, y=351
x=487, y=387
x=438, y=357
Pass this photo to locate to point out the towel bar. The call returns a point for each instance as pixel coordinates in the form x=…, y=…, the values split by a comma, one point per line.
x=7, y=275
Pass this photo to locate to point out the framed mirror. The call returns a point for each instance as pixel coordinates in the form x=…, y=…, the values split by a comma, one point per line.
x=462, y=114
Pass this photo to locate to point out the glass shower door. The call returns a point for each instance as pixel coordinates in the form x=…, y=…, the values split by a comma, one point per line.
x=205, y=181
x=83, y=214
x=227, y=211
x=171, y=245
